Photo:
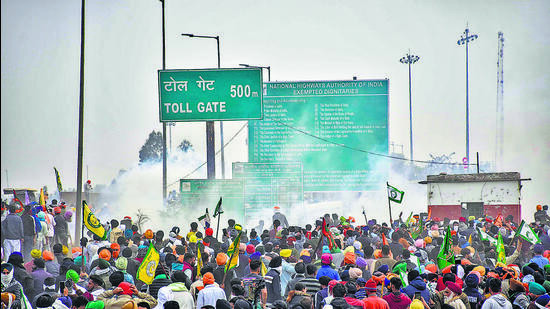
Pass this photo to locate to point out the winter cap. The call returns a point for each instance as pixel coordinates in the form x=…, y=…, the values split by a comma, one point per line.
x=127, y=252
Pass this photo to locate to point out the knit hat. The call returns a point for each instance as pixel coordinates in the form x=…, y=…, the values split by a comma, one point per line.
x=285, y=253
x=36, y=254
x=455, y=288
x=127, y=252
x=355, y=273
x=221, y=258
x=208, y=278
x=326, y=258
x=121, y=263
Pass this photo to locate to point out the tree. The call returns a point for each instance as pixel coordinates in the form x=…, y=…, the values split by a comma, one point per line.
x=142, y=218
x=152, y=149
x=185, y=146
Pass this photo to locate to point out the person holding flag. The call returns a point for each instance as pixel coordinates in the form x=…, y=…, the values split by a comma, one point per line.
x=446, y=255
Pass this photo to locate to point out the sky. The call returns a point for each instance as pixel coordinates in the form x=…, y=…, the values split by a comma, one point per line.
x=300, y=40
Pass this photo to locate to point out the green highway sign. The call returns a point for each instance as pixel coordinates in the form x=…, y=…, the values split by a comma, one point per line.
x=267, y=185
x=199, y=194
x=210, y=94
x=333, y=114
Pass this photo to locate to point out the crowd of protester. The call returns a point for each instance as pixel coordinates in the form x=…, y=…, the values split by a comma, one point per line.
x=361, y=265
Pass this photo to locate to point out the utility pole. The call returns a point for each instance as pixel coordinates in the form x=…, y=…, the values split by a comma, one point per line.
x=499, y=143
x=164, y=182
x=410, y=59
x=466, y=38
x=78, y=206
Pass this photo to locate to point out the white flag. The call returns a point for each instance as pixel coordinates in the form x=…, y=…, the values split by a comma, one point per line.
x=527, y=233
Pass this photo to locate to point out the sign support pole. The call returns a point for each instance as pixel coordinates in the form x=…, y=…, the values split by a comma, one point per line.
x=389, y=204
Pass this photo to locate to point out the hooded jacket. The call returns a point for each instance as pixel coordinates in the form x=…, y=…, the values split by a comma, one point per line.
x=417, y=285
x=178, y=292
x=497, y=301
x=115, y=301
x=397, y=301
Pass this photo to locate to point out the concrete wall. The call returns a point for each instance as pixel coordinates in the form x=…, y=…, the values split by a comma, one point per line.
x=490, y=193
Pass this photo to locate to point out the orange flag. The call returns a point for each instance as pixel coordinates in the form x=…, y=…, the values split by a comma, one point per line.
x=384, y=240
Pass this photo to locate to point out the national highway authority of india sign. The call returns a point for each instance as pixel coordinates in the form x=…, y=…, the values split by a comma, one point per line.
x=210, y=94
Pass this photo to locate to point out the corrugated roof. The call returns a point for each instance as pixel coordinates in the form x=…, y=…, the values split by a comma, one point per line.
x=483, y=177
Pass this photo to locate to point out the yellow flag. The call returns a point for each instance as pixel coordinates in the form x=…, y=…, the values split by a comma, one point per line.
x=147, y=268
x=233, y=253
x=92, y=223
x=199, y=259
x=41, y=199
x=263, y=269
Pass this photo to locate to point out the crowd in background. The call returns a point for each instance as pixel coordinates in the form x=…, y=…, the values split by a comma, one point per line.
x=334, y=262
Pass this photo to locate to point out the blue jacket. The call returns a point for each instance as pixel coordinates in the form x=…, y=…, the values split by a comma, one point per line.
x=417, y=285
x=326, y=270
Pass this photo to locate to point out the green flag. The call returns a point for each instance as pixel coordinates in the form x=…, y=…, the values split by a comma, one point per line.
x=419, y=229
x=487, y=237
x=218, y=210
x=395, y=194
x=446, y=255
x=501, y=254
x=527, y=233
x=205, y=219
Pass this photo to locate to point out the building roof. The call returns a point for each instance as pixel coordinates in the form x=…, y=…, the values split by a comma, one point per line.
x=483, y=177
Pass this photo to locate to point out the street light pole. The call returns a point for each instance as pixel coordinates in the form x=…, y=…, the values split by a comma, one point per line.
x=410, y=59
x=164, y=161
x=210, y=141
x=268, y=68
x=465, y=38
x=78, y=206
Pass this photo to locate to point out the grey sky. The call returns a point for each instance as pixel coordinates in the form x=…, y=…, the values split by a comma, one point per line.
x=300, y=40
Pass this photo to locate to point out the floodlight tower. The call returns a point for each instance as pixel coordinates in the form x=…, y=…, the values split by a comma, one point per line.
x=466, y=38
x=410, y=59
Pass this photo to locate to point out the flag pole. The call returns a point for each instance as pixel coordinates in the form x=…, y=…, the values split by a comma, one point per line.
x=84, y=259
x=365, y=215
x=389, y=204
x=218, y=226
x=235, y=249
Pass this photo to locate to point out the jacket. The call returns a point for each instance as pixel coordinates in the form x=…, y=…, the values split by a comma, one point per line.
x=497, y=301
x=209, y=295
x=417, y=285
x=273, y=286
x=439, y=300
x=29, y=227
x=159, y=282
x=113, y=301
x=295, y=297
x=12, y=227
x=178, y=292
x=397, y=301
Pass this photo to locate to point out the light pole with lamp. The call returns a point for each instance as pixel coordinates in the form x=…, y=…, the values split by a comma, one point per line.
x=210, y=144
x=466, y=38
x=268, y=68
x=410, y=59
